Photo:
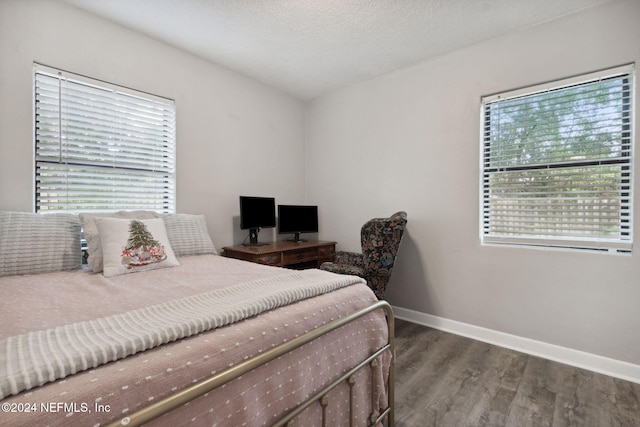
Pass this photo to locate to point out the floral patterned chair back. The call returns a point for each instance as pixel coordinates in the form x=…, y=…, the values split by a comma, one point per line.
x=380, y=239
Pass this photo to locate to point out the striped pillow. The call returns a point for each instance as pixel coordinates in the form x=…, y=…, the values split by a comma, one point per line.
x=39, y=243
x=188, y=235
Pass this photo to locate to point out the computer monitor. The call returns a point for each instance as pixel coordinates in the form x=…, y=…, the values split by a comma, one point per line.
x=296, y=219
x=257, y=213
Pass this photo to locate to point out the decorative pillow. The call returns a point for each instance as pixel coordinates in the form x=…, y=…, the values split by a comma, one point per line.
x=39, y=243
x=188, y=235
x=92, y=236
x=132, y=245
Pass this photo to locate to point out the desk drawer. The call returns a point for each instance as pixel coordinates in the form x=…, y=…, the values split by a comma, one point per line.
x=269, y=259
x=292, y=257
x=327, y=253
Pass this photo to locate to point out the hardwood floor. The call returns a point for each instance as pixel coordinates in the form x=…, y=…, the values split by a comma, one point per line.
x=446, y=380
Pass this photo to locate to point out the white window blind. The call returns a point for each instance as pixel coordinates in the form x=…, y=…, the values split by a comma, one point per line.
x=557, y=163
x=100, y=147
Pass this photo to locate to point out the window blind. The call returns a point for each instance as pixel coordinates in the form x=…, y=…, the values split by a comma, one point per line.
x=100, y=147
x=557, y=163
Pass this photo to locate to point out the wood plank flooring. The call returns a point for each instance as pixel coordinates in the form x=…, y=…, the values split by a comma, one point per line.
x=446, y=380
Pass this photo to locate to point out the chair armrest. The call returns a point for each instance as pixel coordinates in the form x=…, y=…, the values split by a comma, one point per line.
x=351, y=258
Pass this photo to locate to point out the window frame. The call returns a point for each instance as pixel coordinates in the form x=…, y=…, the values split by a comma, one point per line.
x=135, y=171
x=623, y=242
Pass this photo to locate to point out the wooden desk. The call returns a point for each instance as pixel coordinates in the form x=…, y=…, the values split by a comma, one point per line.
x=296, y=255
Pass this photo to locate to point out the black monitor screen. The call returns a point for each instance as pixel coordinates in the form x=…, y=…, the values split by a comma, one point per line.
x=257, y=212
x=297, y=219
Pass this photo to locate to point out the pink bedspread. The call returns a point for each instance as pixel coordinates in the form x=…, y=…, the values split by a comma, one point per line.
x=99, y=395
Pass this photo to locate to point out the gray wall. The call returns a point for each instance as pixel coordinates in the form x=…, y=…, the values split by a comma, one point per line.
x=410, y=141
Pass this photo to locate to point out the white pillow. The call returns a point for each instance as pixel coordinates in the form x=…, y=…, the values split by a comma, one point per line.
x=132, y=245
x=92, y=236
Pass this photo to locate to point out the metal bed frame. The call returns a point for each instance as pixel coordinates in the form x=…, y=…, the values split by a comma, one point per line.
x=386, y=416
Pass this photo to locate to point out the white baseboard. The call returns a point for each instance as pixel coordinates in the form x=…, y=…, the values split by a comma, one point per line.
x=604, y=365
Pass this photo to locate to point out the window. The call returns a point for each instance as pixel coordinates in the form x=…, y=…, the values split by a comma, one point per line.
x=557, y=163
x=101, y=147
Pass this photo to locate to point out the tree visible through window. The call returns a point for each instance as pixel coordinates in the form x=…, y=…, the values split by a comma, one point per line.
x=101, y=147
x=557, y=164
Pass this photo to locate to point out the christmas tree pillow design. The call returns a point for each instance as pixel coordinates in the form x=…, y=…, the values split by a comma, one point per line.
x=132, y=245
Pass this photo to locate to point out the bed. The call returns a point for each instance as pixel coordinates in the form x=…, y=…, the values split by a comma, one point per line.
x=218, y=341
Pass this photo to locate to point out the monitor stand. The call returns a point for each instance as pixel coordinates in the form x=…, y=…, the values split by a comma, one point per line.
x=253, y=238
x=296, y=238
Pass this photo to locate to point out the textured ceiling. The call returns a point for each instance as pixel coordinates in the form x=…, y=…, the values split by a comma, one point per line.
x=311, y=47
